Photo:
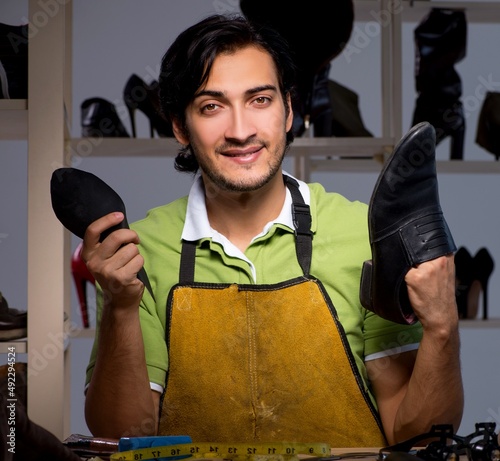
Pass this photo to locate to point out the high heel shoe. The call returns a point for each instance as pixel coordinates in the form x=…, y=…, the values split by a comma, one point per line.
x=464, y=275
x=472, y=276
x=137, y=94
x=99, y=119
x=483, y=267
x=82, y=277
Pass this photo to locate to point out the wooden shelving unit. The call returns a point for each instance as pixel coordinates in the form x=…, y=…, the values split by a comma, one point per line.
x=43, y=121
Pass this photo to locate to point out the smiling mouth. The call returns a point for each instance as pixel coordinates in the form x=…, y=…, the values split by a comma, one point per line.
x=246, y=153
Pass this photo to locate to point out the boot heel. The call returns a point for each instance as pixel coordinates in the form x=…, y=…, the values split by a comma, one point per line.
x=483, y=268
x=365, y=285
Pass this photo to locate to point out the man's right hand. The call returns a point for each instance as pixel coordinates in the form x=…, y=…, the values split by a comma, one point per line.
x=115, y=262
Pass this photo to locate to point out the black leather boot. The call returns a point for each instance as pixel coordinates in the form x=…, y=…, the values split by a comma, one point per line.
x=440, y=41
x=316, y=33
x=13, y=61
x=406, y=225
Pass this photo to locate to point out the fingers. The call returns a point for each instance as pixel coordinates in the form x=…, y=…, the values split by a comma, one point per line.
x=435, y=271
x=96, y=228
x=122, y=265
x=431, y=289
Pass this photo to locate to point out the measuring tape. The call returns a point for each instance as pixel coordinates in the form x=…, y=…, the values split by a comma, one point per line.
x=223, y=450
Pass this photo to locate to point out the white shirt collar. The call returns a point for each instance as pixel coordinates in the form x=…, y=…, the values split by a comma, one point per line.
x=197, y=226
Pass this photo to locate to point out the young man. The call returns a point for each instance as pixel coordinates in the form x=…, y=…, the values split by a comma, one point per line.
x=252, y=332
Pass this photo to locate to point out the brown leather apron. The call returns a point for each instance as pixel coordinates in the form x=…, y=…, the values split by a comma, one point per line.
x=263, y=362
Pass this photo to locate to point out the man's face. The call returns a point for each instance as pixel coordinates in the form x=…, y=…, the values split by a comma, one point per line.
x=236, y=124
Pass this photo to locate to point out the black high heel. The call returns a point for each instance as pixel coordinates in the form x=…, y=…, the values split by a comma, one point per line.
x=137, y=94
x=483, y=267
x=472, y=276
x=464, y=275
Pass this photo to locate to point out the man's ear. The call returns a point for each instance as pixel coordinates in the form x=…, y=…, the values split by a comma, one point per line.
x=289, y=119
x=179, y=132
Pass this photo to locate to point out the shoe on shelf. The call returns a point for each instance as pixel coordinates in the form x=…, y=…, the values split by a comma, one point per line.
x=13, y=61
x=472, y=275
x=137, y=94
x=99, y=119
x=464, y=277
x=13, y=322
x=440, y=43
x=483, y=268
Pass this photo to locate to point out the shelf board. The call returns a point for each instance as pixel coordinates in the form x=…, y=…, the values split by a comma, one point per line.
x=13, y=119
x=413, y=11
x=21, y=346
x=468, y=166
x=324, y=154
x=476, y=12
x=168, y=147
x=84, y=333
x=479, y=323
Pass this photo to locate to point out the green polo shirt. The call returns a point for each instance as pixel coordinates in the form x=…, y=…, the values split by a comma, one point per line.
x=340, y=246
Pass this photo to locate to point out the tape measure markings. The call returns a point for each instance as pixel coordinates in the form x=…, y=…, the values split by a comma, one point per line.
x=226, y=450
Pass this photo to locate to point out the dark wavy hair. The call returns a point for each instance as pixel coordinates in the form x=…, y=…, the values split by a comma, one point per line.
x=186, y=65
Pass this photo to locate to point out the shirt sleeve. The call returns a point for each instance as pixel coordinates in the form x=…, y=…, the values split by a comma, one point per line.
x=384, y=338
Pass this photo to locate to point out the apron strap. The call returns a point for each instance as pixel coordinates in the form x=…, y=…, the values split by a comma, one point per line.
x=301, y=215
x=186, y=270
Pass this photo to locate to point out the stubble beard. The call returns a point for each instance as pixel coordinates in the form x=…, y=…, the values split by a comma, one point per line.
x=243, y=183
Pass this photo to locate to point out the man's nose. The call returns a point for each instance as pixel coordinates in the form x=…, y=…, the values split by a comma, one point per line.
x=241, y=125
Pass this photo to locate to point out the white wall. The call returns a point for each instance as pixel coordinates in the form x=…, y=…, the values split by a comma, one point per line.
x=113, y=39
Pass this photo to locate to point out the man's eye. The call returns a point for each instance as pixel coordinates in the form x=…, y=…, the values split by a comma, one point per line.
x=209, y=107
x=262, y=100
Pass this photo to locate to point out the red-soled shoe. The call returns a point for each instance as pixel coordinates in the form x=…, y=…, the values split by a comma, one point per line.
x=82, y=278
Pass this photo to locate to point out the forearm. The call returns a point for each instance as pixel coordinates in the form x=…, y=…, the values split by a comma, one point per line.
x=119, y=399
x=435, y=392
